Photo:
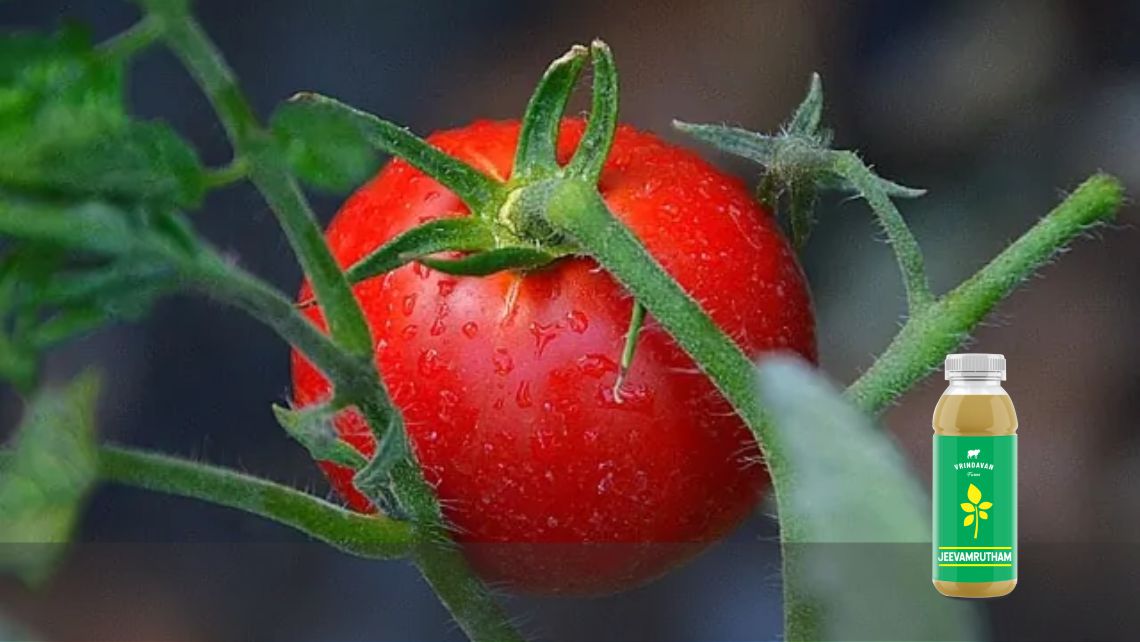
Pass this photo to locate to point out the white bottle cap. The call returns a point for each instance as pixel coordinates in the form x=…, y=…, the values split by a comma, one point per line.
x=975, y=366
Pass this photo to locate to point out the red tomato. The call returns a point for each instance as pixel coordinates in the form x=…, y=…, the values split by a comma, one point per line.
x=551, y=482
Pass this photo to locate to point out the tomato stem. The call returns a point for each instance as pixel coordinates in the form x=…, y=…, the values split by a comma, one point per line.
x=351, y=532
x=267, y=170
x=126, y=44
x=927, y=337
x=349, y=361
x=907, y=252
x=799, y=161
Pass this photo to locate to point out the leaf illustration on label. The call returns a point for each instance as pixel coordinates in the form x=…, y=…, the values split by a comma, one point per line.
x=975, y=506
x=974, y=494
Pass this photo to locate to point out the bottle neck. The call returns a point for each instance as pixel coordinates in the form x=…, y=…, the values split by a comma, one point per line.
x=975, y=386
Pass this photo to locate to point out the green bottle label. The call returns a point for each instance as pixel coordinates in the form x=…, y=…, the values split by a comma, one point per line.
x=975, y=508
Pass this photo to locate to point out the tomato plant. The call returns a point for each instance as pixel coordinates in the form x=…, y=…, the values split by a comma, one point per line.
x=537, y=338
x=508, y=382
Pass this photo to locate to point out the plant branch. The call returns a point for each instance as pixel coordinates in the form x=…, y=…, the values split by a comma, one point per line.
x=363, y=535
x=268, y=171
x=909, y=255
x=940, y=328
x=577, y=209
x=237, y=170
x=139, y=36
x=230, y=284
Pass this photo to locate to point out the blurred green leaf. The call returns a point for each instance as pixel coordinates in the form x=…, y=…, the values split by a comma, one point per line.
x=855, y=521
x=51, y=471
x=92, y=227
x=64, y=129
x=326, y=148
x=49, y=292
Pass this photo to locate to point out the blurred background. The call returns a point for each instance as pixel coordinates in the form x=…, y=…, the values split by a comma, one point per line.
x=996, y=107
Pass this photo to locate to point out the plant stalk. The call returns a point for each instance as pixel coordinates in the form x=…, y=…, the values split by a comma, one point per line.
x=905, y=246
x=369, y=536
x=138, y=37
x=472, y=606
x=268, y=171
x=940, y=328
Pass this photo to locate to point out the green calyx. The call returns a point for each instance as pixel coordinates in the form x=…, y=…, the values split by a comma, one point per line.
x=507, y=228
x=798, y=162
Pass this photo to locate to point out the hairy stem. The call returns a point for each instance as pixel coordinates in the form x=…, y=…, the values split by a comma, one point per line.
x=268, y=171
x=940, y=328
x=364, y=535
x=230, y=284
x=577, y=209
x=905, y=246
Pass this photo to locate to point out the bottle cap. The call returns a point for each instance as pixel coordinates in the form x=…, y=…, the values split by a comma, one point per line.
x=975, y=366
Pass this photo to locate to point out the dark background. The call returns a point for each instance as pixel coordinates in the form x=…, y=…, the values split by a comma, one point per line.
x=995, y=107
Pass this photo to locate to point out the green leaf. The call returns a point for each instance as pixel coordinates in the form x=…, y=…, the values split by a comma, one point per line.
x=64, y=129
x=313, y=429
x=479, y=192
x=325, y=147
x=492, y=261
x=856, y=522
x=51, y=472
x=50, y=292
x=758, y=148
x=92, y=227
x=806, y=120
x=590, y=157
x=535, y=156
x=464, y=233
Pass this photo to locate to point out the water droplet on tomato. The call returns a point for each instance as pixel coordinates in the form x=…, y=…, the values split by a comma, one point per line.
x=431, y=196
x=409, y=305
x=430, y=363
x=596, y=365
x=605, y=483
x=498, y=404
x=543, y=335
x=552, y=521
x=409, y=331
x=522, y=395
x=502, y=361
x=578, y=321
x=446, y=286
x=421, y=270
x=438, y=327
x=470, y=329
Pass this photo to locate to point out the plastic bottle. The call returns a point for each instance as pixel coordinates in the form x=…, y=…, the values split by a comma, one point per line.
x=975, y=480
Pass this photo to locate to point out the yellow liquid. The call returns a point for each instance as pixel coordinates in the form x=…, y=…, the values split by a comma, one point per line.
x=976, y=416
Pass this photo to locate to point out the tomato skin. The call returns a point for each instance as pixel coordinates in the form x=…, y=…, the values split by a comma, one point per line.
x=505, y=382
